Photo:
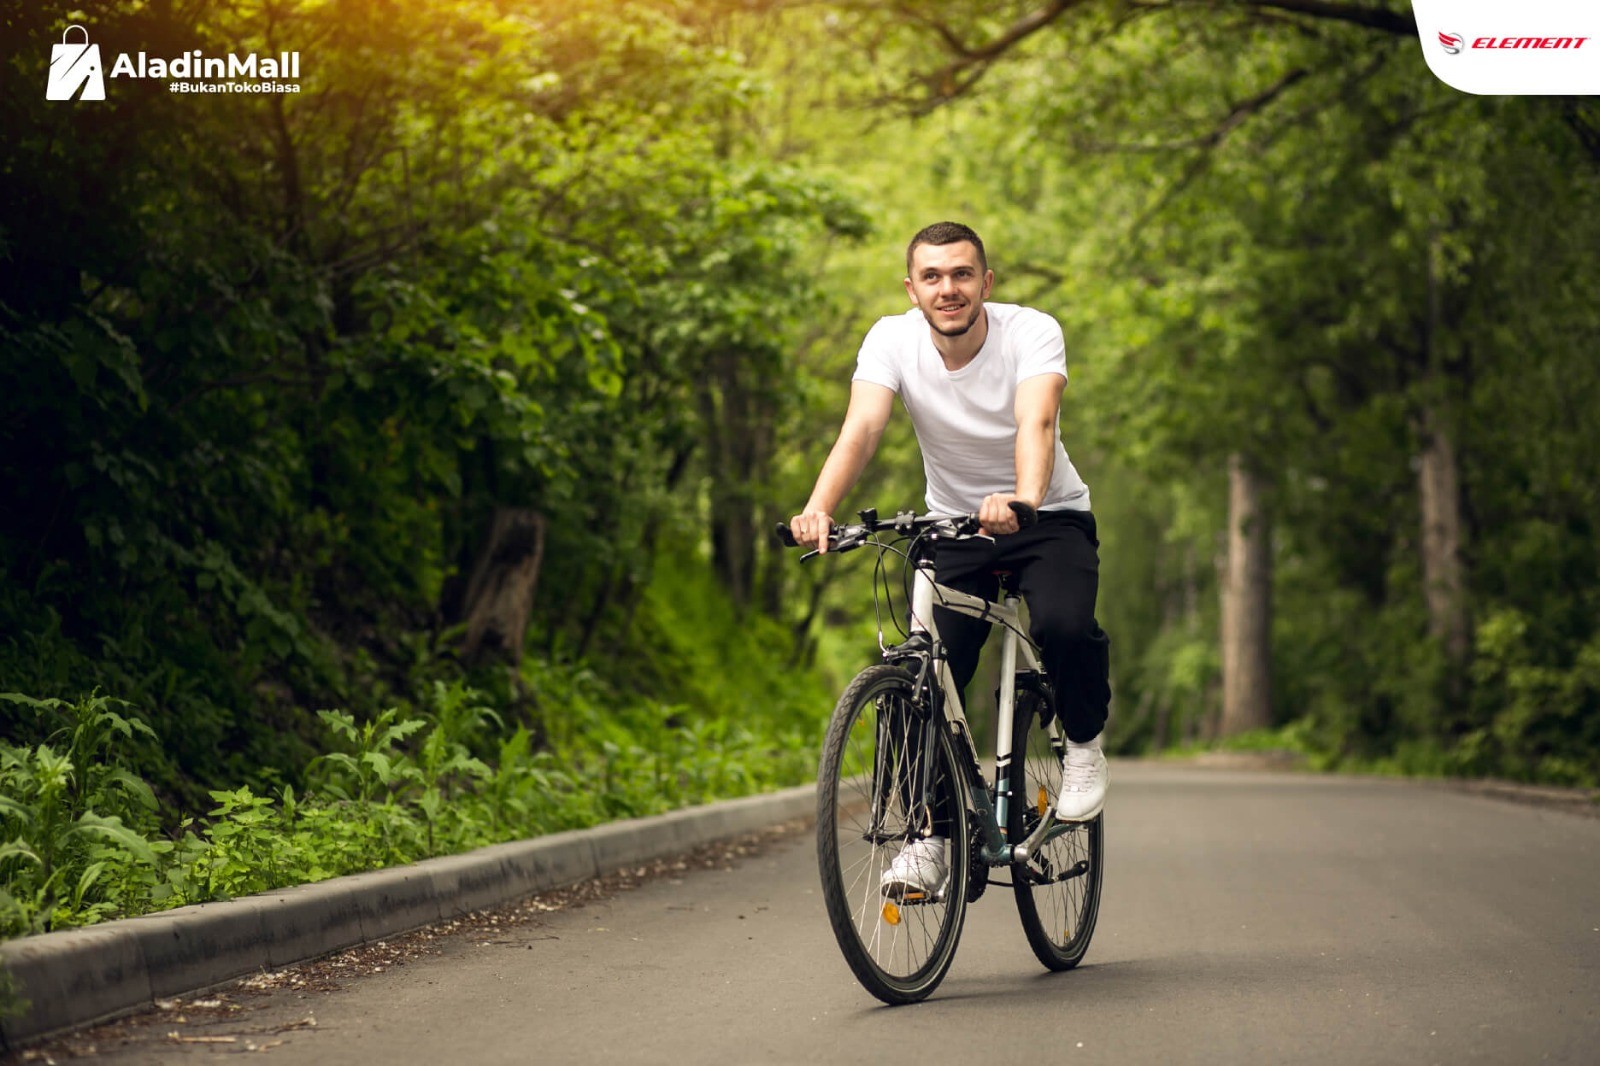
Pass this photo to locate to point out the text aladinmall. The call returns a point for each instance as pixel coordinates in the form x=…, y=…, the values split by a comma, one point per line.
x=196, y=65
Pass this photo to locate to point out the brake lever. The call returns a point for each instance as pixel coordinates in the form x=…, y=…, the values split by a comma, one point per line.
x=842, y=539
x=837, y=549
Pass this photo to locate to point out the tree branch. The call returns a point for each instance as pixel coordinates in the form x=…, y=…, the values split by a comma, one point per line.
x=961, y=73
x=1582, y=117
x=970, y=62
x=1401, y=24
x=1207, y=143
x=1235, y=118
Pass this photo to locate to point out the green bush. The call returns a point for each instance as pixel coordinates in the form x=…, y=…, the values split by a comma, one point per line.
x=82, y=843
x=74, y=820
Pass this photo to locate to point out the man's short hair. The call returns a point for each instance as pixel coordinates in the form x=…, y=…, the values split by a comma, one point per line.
x=946, y=233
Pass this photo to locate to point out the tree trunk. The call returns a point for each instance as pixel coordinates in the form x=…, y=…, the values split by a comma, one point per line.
x=1246, y=605
x=1159, y=738
x=774, y=566
x=1439, y=494
x=500, y=592
x=739, y=413
x=1181, y=612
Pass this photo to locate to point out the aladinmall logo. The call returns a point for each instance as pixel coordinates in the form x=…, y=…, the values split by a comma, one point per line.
x=74, y=67
x=77, y=73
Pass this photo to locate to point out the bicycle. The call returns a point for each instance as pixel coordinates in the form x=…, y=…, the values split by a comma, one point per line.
x=899, y=759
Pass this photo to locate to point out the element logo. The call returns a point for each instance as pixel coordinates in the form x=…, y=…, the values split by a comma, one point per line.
x=1496, y=48
x=74, y=67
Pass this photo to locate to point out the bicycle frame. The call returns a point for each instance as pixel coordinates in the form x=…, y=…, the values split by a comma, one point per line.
x=926, y=594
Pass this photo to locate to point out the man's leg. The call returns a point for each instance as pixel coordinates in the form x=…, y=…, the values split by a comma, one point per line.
x=1058, y=570
x=967, y=566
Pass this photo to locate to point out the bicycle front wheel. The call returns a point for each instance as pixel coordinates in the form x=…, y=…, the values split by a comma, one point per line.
x=879, y=789
x=1058, y=891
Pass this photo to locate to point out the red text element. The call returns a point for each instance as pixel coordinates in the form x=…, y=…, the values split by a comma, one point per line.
x=1529, y=42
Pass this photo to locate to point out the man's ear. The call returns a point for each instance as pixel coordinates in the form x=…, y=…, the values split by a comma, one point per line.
x=910, y=291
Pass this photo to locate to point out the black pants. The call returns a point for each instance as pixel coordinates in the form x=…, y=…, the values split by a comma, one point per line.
x=1057, y=567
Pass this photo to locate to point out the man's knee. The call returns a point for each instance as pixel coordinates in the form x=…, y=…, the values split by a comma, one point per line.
x=1062, y=624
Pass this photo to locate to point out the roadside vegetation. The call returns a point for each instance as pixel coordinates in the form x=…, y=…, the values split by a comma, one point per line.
x=88, y=838
x=390, y=466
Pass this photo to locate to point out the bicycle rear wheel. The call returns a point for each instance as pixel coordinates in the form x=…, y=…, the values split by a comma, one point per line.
x=871, y=801
x=1058, y=891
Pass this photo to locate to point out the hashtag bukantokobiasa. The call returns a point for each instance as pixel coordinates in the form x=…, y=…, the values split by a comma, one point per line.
x=249, y=87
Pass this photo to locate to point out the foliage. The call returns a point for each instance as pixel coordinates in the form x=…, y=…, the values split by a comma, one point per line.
x=259, y=414
x=81, y=844
x=71, y=816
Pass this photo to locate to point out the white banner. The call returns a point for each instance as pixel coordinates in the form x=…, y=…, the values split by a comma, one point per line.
x=1518, y=48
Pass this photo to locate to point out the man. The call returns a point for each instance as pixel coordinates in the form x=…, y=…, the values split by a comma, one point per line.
x=982, y=382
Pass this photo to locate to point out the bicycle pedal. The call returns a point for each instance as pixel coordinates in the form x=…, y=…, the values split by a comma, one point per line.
x=905, y=895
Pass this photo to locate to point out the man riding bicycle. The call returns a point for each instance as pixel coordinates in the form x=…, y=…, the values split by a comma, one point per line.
x=982, y=382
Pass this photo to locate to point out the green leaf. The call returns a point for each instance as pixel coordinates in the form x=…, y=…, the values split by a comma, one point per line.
x=112, y=831
x=10, y=808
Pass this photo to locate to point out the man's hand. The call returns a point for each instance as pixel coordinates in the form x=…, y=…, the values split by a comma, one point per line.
x=996, y=516
x=811, y=530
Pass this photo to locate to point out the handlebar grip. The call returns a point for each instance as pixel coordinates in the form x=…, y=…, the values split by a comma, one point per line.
x=1026, y=515
x=786, y=535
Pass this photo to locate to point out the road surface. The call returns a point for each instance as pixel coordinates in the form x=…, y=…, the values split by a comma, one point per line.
x=1247, y=918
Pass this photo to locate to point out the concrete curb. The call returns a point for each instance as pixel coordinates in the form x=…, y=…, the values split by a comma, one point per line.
x=81, y=976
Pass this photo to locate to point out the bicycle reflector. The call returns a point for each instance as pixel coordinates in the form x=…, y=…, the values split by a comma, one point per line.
x=891, y=913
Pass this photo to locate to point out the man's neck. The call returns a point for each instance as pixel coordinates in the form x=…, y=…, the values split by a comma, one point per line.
x=957, y=352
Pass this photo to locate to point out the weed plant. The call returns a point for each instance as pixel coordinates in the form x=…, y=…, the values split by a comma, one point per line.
x=83, y=841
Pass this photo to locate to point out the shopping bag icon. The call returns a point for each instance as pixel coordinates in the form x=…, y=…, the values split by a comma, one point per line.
x=74, y=67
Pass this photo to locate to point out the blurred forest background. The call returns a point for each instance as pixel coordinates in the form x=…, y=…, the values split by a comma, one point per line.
x=460, y=391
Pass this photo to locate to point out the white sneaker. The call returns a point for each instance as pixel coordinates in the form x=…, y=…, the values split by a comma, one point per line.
x=1083, y=784
x=917, y=872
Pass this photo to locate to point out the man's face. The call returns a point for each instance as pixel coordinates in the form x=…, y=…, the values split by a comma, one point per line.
x=949, y=286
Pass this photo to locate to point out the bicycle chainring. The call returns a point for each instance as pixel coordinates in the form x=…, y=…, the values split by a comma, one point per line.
x=977, y=869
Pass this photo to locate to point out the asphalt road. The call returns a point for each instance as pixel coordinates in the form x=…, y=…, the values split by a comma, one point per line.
x=1248, y=918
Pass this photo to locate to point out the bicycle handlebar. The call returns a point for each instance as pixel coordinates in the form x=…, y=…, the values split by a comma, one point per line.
x=906, y=523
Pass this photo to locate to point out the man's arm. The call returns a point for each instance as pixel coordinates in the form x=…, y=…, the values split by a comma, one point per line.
x=1037, y=407
x=864, y=422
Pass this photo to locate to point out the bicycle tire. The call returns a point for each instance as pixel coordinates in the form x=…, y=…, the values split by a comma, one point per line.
x=899, y=951
x=1058, y=917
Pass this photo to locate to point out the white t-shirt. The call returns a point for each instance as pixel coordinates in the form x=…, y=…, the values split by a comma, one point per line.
x=966, y=420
